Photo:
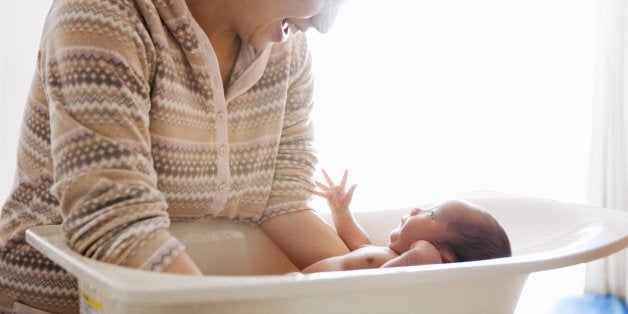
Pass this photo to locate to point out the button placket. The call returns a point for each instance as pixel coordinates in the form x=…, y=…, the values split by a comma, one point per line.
x=222, y=150
x=221, y=137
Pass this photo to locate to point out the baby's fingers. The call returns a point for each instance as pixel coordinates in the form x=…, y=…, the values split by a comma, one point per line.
x=319, y=193
x=351, y=189
x=343, y=182
x=321, y=186
x=327, y=178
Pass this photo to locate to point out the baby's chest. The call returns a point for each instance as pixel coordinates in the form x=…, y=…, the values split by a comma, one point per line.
x=371, y=257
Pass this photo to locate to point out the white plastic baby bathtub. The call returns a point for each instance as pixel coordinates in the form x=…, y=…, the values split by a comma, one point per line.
x=246, y=272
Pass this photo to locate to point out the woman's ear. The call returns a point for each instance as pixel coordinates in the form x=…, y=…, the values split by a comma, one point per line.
x=420, y=253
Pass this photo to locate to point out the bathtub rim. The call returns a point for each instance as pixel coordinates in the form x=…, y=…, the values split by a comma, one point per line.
x=113, y=280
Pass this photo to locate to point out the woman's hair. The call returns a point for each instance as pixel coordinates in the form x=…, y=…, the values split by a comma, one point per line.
x=474, y=241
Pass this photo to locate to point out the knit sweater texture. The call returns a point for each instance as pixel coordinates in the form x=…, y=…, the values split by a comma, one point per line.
x=128, y=126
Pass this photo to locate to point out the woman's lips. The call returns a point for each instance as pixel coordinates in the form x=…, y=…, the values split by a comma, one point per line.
x=284, y=26
x=281, y=31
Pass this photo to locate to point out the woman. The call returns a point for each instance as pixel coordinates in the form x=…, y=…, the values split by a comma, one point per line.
x=142, y=112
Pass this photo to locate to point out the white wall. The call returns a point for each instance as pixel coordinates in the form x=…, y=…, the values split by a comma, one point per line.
x=21, y=22
x=419, y=99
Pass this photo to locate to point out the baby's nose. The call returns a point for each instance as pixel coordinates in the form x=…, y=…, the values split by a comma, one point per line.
x=415, y=211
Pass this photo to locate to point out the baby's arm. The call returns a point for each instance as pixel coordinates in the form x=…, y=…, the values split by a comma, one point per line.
x=364, y=258
x=420, y=253
x=338, y=200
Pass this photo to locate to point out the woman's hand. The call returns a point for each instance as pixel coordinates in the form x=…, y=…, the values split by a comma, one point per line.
x=183, y=264
x=338, y=198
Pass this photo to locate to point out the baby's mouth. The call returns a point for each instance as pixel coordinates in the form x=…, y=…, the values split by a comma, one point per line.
x=403, y=221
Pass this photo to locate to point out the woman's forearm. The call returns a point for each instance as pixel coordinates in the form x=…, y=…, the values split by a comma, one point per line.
x=183, y=264
x=304, y=237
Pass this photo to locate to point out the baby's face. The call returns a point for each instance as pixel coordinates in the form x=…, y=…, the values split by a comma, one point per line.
x=430, y=224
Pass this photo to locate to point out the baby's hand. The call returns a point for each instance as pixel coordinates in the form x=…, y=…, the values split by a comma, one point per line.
x=337, y=197
x=420, y=253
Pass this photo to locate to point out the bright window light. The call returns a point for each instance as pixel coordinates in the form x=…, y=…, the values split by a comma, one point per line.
x=425, y=99
x=419, y=99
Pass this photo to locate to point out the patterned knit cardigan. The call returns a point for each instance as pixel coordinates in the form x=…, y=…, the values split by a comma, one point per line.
x=127, y=126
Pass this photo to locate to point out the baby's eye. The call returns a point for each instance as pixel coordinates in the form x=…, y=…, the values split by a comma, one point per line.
x=431, y=214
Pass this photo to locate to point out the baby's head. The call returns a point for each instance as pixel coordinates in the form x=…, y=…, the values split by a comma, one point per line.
x=461, y=232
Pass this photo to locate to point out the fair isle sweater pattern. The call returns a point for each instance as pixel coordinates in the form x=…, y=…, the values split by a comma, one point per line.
x=127, y=127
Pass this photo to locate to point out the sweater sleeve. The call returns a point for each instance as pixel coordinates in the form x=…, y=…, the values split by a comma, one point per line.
x=95, y=62
x=296, y=159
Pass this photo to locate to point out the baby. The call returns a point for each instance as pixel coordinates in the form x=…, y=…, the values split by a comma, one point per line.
x=449, y=231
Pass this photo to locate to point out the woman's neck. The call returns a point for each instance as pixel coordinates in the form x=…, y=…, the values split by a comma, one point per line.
x=214, y=18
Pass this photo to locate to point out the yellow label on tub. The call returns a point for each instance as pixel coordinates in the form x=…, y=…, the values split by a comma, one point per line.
x=89, y=304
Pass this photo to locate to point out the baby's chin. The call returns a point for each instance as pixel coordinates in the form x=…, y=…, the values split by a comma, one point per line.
x=393, y=236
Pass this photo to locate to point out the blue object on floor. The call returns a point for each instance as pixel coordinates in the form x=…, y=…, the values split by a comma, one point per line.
x=591, y=304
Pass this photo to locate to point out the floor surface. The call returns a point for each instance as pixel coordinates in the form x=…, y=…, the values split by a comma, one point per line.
x=561, y=291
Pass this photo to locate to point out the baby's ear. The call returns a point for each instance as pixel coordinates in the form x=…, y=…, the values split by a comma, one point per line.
x=447, y=255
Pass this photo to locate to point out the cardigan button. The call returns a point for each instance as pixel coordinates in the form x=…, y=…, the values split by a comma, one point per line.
x=223, y=188
x=221, y=116
x=222, y=150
